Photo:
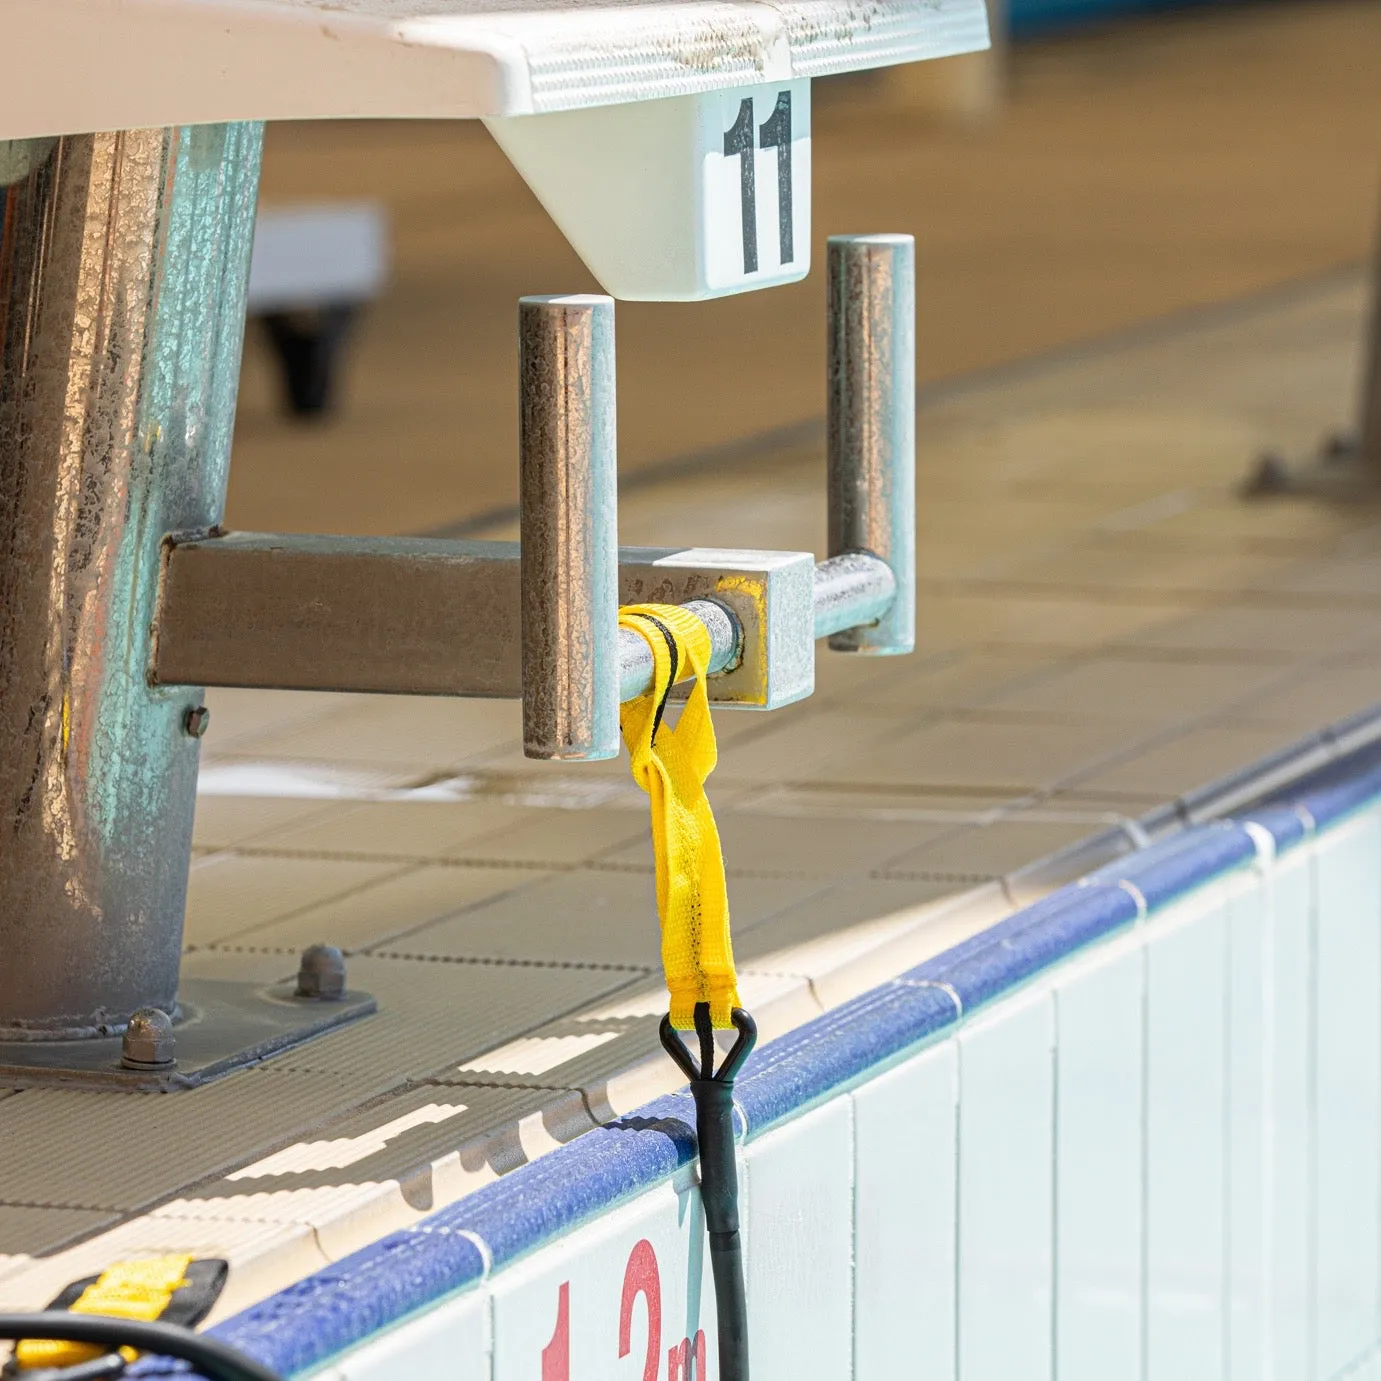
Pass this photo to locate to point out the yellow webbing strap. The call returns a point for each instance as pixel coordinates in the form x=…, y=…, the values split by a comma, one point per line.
x=128, y=1290
x=671, y=765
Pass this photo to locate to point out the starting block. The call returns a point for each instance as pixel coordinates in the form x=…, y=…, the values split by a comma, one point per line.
x=669, y=140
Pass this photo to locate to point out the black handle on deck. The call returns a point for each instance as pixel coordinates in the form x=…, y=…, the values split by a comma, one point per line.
x=713, y=1091
x=213, y=1359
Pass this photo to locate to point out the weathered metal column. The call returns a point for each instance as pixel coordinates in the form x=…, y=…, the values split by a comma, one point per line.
x=870, y=423
x=1369, y=438
x=123, y=260
x=570, y=545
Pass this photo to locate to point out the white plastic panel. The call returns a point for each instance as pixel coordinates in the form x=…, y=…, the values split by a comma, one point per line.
x=1347, y=1077
x=905, y=1130
x=798, y=1241
x=680, y=199
x=1006, y=1115
x=1186, y=1111
x=1248, y=918
x=1098, y=1182
x=611, y=1299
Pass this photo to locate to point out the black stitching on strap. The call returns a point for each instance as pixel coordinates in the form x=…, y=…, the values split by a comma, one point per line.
x=675, y=662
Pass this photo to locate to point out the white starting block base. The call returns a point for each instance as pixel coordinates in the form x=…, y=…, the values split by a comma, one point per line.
x=679, y=199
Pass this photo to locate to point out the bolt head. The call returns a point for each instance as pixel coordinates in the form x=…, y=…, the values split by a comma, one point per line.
x=321, y=973
x=197, y=721
x=148, y=1040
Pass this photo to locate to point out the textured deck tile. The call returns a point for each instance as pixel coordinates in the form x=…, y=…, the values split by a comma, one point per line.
x=561, y=837
x=1189, y=760
x=1001, y=758
x=1300, y=633
x=1331, y=693
x=196, y=1133
x=411, y=829
x=222, y=822
x=232, y=894
x=389, y=907
x=587, y=918
x=432, y=1012
x=995, y=849
x=37, y=1229
x=1144, y=695
x=421, y=731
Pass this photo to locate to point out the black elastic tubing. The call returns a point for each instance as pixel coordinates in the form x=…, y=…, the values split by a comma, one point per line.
x=713, y=1092
x=213, y=1359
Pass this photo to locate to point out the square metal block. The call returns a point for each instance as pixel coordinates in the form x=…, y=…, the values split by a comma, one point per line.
x=771, y=593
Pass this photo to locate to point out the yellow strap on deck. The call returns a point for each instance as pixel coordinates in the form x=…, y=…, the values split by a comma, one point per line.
x=671, y=765
x=128, y=1290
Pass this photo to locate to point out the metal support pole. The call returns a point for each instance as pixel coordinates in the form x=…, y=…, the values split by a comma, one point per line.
x=871, y=423
x=123, y=260
x=569, y=527
x=1369, y=438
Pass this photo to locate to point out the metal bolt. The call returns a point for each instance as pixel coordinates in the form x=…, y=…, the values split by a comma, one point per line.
x=197, y=720
x=148, y=1040
x=321, y=973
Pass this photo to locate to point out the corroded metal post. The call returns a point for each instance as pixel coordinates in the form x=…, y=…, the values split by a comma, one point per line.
x=123, y=260
x=1369, y=439
x=871, y=423
x=570, y=558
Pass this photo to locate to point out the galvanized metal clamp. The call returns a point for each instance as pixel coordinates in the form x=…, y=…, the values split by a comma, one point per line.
x=539, y=618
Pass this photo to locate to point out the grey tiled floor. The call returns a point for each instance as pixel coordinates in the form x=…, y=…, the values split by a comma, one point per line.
x=1104, y=626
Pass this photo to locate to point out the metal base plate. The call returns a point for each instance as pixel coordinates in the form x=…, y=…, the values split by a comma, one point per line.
x=222, y=1026
x=1337, y=471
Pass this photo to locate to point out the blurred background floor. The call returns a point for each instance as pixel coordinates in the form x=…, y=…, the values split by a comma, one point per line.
x=1155, y=166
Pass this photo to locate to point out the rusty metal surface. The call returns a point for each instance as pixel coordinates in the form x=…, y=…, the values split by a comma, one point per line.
x=395, y=615
x=122, y=267
x=870, y=422
x=568, y=488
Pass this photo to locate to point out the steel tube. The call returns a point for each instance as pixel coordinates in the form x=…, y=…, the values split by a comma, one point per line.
x=569, y=527
x=871, y=423
x=635, y=656
x=123, y=260
x=852, y=591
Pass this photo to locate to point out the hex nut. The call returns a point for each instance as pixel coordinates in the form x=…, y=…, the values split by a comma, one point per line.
x=197, y=721
x=148, y=1040
x=321, y=973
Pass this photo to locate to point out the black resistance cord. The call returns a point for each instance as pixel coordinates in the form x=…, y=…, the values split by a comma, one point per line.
x=713, y=1092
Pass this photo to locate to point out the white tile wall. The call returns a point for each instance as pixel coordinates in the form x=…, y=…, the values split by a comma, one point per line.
x=1248, y=1309
x=1006, y=1117
x=448, y=1343
x=1186, y=1117
x=798, y=1241
x=1347, y=1076
x=905, y=1182
x=1290, y=1179
x=611, y=1299
x=1099, y=1130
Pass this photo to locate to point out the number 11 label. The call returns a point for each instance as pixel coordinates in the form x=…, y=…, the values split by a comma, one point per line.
x=756, y=185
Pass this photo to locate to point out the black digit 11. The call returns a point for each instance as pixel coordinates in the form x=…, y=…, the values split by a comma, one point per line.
x=774, y=133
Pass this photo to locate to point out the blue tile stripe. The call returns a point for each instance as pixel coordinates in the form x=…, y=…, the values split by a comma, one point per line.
x=457, y=1247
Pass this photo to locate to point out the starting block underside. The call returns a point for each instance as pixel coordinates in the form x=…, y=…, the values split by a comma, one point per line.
x=88, y=64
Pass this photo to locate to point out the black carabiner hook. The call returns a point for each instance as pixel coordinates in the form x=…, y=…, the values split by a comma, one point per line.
x=713, y=1091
